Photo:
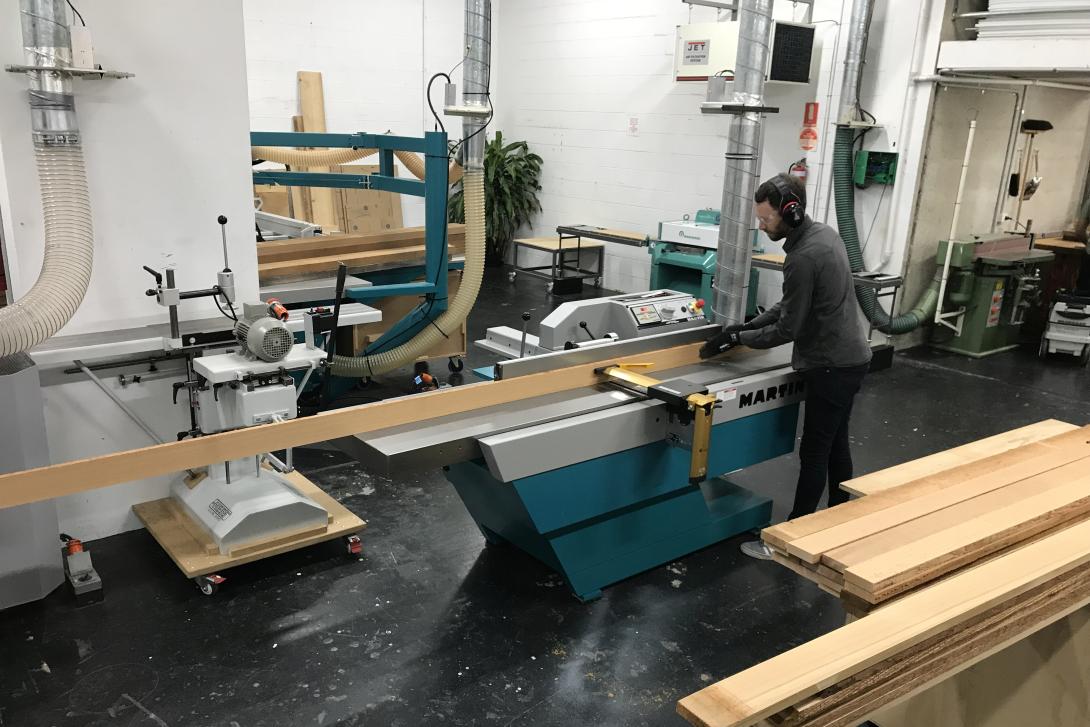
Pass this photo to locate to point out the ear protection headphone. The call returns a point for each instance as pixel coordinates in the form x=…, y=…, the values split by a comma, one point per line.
x=792, y=209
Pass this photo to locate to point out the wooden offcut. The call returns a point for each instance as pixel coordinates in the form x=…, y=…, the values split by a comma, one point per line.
x=43, y=483
x=196, y=554
x=300, y=196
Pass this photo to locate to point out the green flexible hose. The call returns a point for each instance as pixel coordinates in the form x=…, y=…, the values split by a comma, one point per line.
x=844, y=190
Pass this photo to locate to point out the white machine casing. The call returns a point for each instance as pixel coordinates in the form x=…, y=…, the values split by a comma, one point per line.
x=242, y=502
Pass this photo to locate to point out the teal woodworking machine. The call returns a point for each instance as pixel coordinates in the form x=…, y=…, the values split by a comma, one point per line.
x=603, y=482
x=683, y=258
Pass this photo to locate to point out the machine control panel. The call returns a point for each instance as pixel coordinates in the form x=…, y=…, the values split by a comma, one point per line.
x=664, y=309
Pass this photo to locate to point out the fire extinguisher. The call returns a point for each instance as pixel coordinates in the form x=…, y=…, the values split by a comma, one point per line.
x=799, y=169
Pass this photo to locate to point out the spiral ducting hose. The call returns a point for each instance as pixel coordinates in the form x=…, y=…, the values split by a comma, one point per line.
x=329, y=157
x=69, y=249
x=844, y=189
x=69, y=239
x=453, y=317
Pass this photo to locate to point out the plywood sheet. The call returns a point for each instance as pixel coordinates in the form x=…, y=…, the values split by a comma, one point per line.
x=312, y=109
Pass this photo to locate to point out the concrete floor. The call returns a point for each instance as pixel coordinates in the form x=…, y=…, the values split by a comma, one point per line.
x=431, y=627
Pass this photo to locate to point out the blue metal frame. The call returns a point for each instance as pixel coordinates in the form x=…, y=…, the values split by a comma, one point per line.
x=434, y=190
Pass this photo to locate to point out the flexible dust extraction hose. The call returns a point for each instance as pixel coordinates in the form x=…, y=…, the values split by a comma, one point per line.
x=844, y=189
x=451, y=319
x=330, y=157
x=69, y=239
x=69, y=249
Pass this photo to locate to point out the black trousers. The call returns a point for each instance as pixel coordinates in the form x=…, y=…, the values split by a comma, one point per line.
x=825, y=453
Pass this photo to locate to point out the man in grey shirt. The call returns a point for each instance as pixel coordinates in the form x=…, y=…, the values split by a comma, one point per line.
x=819, y=314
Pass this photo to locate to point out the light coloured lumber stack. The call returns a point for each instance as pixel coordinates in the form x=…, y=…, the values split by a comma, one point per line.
x=909, y=644
x=902, y=537
x=965, y=454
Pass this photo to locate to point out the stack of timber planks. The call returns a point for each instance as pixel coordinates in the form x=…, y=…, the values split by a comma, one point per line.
x=989, y=545
x=882, y=545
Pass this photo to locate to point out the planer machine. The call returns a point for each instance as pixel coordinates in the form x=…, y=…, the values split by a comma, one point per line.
x=603, y=482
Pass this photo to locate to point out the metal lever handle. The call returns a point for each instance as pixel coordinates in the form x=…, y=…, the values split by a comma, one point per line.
x=525, y=320
x=155, y=274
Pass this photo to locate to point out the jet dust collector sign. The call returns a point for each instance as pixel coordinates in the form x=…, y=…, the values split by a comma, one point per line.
x=696, y=53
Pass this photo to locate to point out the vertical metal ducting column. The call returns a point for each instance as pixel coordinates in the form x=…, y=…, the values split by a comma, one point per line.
x=66, y=207
x=743, y=164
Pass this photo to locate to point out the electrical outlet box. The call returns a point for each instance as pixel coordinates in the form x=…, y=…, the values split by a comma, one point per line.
x=83, y=52
x=875, y=167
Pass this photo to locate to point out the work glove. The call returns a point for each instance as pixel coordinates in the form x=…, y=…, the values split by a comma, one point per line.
x=725, y=340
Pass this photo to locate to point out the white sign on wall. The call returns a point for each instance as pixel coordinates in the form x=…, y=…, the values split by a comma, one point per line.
x=696, y=52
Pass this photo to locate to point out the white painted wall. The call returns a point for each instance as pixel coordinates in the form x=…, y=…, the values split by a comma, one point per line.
x=575, y=75
x=375, y=59
x=166, y=152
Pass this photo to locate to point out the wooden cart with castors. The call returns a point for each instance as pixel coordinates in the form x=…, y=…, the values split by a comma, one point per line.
x=196, y=554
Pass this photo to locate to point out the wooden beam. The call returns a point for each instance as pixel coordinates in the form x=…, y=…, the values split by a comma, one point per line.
x=44, y=483
x=784, y=680
x=312, y=109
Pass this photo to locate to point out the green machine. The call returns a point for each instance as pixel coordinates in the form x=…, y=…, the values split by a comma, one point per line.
x=683, y=259
x=988, y=284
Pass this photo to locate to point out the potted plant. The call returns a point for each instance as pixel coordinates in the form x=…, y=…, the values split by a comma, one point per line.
x=512, y=179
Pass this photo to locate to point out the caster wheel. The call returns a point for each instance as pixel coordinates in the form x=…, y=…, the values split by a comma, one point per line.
x=455, y=364
x=597, y=282
x=209, y=585
x=511, y=277
x=353, y=545
x=549, y=288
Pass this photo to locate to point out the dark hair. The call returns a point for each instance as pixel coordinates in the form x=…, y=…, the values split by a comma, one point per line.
x=768, y=192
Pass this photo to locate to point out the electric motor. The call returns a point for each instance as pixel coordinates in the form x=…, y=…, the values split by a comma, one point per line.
x=261, y=335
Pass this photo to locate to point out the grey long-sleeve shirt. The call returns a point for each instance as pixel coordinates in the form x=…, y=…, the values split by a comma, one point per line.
x=818, y=312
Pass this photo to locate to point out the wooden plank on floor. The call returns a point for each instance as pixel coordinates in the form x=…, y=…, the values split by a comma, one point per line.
x=312, y=109
x=947, y=459
x=1063, y=495
x=43, y=483
x=1020, y=465
x=784, y=680
x=1067, y=447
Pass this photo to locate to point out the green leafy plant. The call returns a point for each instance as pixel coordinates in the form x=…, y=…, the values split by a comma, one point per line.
x=512, y=179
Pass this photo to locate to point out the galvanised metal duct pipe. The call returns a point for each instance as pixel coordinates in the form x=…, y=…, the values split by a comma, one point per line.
x=69, y=239
x=743, y=165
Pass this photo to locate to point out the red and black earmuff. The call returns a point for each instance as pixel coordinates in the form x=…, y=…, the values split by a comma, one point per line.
x=792, y=209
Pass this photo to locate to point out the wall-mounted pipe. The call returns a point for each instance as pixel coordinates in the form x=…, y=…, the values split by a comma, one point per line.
x=69, y=238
